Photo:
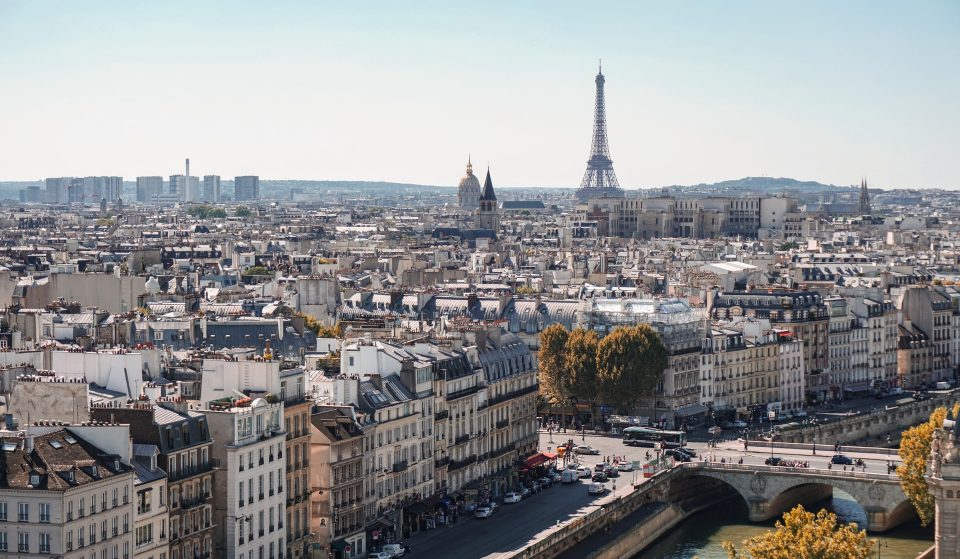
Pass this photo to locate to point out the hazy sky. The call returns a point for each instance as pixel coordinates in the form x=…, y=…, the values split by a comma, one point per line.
x=696, y=91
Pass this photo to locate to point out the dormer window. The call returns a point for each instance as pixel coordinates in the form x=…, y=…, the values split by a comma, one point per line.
x=95, y=471
x=34, y=479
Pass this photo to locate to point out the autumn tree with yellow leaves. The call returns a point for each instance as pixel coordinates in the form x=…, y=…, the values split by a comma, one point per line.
x=804, y=535
x=915, y=453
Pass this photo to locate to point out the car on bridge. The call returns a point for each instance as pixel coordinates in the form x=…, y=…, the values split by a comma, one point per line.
x=841, y=459
x=596, y=489
x=678, y=455
x=774, y=461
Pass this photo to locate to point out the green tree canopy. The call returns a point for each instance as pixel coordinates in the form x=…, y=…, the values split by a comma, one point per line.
x=630, y=361
x=552, y=363
x=581, y=365
x=206, y=211
x=915, y=452
x=803, y=535
x=242, y=211
x=257, y=271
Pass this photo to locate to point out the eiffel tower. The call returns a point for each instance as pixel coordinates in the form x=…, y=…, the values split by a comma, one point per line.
x=599, y=180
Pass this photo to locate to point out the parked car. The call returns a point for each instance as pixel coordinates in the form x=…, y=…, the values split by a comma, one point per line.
x=586, y=450
x=599, y=477
x=379, y=555
x=570, y=476
x=688, y=451
x=773, y=461
x=483, y=512
x=584, y=472
x=739, y=424
x=524, y=492
x=545, y=482
x=555, y=476
x=611, y=471
x=625, y=466
x=596, y=489
x=511, y=497
x=394, y=549
x=677, y=455
x=841, y=459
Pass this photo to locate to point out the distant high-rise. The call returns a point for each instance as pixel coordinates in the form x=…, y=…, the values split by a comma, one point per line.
x=58, y=189
x=246, y=188
x=211, y=188
x=184, y=189
x=148, y=189
x=599, y=181
x=863, y=204
x=95, y=189
x=468, y=193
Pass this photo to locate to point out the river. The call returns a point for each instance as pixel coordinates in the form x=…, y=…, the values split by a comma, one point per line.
x=702, y=535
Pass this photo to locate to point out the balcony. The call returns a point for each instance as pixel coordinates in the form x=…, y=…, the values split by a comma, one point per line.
x=463, y=393
x=459, y=464
x=461, y=439
x=441, y=415
x=441, y=462
x=200, y=468
x=503, y=423
x=400, y=466
x=515, y=394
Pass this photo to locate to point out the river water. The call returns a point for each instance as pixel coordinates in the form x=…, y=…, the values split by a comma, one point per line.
x=703, y=534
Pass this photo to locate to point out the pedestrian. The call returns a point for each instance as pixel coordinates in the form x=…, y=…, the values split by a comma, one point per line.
x=829, y=465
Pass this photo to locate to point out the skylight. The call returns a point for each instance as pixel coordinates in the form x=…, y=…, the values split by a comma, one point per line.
x=69, y=439
x=9, y=447
x=56, y=444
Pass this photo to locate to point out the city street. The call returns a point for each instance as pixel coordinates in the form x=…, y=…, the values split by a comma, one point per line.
x=516, y=525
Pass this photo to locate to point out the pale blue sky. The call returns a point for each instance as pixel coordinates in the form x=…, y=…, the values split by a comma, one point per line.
x=696, y=91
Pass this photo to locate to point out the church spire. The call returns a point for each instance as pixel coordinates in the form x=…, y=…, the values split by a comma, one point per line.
x=487, y=192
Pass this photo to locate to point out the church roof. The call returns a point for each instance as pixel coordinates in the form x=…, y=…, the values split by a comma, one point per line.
x=487, y=193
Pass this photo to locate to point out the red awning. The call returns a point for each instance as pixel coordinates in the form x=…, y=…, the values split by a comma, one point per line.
x=550, y=455
x=535, y=460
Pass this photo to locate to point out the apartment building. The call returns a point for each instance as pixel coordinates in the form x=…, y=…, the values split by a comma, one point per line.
x=62, y=494
x=336, y=450
x=185, y=447
x=250, y=512
x=151, y=520
x=296, y=418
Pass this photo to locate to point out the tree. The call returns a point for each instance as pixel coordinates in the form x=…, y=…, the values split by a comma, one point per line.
x=321, y=330
x=242, y=211
x=552, y=371
x=915, y=452
x=581, y=378
x=803, y=535
x=257, y=271
x=630, y=361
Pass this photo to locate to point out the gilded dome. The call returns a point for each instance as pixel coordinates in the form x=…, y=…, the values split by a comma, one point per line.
x=470, y=181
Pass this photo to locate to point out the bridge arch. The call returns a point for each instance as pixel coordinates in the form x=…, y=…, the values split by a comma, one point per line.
x=769, y=492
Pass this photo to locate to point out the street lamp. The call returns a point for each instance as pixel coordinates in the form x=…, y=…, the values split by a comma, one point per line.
x=771, y=415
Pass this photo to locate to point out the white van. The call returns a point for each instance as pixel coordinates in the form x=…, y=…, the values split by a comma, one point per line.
x=569, y=476
x=943, y=385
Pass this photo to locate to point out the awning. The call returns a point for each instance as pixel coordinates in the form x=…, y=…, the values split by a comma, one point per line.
x=339, y=545
x=692, y=409
x=386, y=522
x=550, y=455
x=535, y=460
x=418, y=508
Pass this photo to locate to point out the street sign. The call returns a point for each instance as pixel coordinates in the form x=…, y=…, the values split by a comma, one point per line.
x=347, y=548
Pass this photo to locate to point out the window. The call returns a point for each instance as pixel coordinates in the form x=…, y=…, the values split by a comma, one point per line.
x=69, y=540
x=82, y=506
x=3, y=541
x=23, y=542
x=44, y=542
x=3, y=512
x=45, y=512
x=23, y=512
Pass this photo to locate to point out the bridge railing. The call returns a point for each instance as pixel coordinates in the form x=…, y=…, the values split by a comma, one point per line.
x=825, y=449
x=789, y=470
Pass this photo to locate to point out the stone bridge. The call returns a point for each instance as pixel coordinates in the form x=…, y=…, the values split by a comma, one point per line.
x=771, y=490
